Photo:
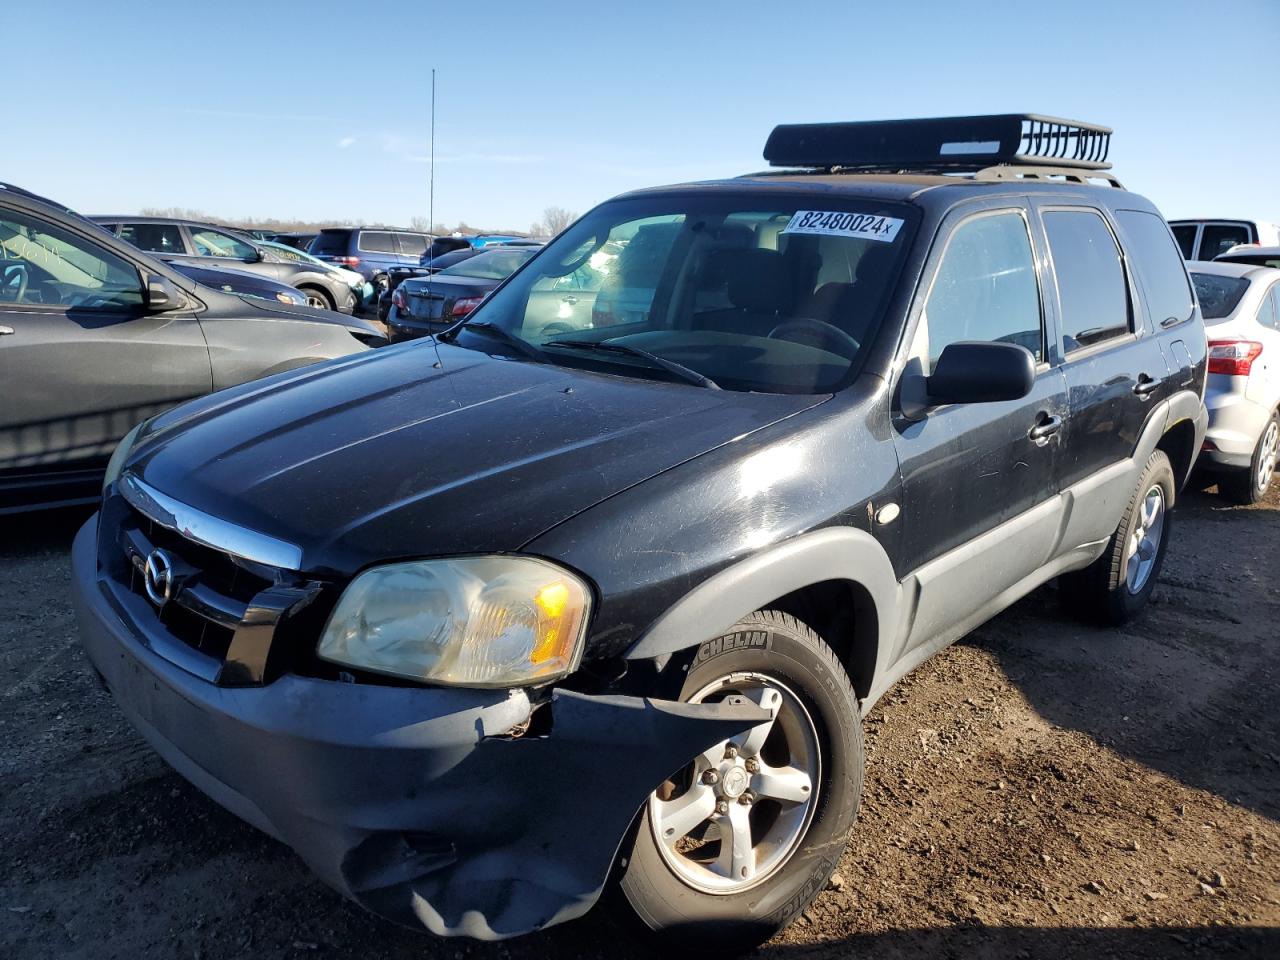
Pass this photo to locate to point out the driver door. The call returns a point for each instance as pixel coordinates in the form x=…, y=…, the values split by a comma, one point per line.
x=81, y=359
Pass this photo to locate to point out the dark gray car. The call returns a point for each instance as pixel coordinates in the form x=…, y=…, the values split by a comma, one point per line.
x=96, y=336
x=203, y=244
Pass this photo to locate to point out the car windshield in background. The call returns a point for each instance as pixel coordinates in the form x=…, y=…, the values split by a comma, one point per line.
x=768, y=296
x=331, y=242
x=490, y=265
x=1218, y=295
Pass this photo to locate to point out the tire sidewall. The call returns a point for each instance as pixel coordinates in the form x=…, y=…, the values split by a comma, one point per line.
x=1158, y=471
x=770, y=647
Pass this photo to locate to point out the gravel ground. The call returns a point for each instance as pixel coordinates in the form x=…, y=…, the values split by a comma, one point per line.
x=1041, y=789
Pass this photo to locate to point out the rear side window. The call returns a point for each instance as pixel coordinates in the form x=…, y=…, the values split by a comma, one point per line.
x=374, y=241
x=1164, y=278
x=1218, y=295
x=1267, y=312
x=1185, y=234
x=1218, y=238
x=985, y=288
x=412, y=244
x=154, y=237
x=1092, y=291
x=331, y=242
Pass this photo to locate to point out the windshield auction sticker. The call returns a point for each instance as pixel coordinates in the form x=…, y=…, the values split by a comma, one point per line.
x=827, y=223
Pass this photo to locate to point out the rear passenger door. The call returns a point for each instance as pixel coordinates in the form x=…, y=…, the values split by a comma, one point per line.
x=1115, y=371
x=979, y=505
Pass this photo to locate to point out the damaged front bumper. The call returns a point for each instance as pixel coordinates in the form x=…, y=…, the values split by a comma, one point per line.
x=417, y=803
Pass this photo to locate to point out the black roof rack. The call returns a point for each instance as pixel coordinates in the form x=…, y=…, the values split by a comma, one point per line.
x=977, y=145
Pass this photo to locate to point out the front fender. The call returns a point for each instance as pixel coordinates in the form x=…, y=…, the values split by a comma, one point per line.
x=833, y=553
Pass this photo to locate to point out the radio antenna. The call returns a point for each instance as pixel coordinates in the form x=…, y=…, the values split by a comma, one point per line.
x=431, y=194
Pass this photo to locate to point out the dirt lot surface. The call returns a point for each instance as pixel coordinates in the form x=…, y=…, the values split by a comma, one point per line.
x=1043, y=789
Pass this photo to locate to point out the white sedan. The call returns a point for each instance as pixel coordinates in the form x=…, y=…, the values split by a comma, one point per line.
x=1241, y=308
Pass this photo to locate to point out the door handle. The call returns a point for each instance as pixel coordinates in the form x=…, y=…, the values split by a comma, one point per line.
x=570, y=299
x=1146, y=385
x=6, y=331
x=1045, y=428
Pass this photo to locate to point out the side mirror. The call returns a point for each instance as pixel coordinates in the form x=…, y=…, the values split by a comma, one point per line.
x=981, y=372
x=161, y=294
x=258, y=255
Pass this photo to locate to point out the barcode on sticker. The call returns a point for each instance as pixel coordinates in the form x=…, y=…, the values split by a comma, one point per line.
x=830, y=223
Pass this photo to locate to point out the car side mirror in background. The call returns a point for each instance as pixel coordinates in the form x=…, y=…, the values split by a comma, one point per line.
x=981, y=372
x=161, y=294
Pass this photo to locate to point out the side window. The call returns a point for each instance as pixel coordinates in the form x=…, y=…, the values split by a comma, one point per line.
x=154, y=237
x=1092, y=290
x=1218, y=238
x=412, y=244
x=43, y=264
x=985, y=289
x=1267, y=312
x=1185, y=234
x=375, y=241
x=215, y=243
x=1164, y=278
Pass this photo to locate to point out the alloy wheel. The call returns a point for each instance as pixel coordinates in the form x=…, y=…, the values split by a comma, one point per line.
x=735, y=816
x=1144, y=542
x=1269, y=448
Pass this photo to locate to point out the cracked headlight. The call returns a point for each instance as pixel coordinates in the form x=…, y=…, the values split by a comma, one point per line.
x=468, y=622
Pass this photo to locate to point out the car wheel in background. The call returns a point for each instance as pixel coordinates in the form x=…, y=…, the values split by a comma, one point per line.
x=733, y=847
x=317, y=299
x=1250, y=486
x=1116, y=586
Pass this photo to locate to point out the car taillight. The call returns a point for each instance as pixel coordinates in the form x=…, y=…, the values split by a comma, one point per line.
x=1233, y=357
x=464, y=305
x=397, y=298
x=347, y=261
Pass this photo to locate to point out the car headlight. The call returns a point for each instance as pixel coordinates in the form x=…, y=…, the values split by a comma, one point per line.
x=120, y=455
x=289, y=298
x=468, y=622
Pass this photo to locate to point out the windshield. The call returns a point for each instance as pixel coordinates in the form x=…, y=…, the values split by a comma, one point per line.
x=775, y=294
x=1218, y=295
x=490, y=265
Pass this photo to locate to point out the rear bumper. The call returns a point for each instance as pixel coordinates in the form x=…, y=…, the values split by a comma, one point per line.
x=401, y=327
x=418, y=803
x=1235, y=424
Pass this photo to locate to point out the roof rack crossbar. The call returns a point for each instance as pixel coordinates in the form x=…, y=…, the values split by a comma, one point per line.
x=945, y=144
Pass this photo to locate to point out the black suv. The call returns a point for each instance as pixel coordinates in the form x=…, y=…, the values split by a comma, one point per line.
x=487, y=624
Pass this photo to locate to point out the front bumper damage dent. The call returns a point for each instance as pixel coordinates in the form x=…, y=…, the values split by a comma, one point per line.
x=419, y=803
x=535, y=823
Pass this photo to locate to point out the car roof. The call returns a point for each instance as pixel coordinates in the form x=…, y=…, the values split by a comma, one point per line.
x=1251, y=271
x=1250, y=250
x=918, y=188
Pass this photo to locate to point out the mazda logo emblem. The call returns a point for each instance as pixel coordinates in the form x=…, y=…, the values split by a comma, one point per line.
x=157, y=577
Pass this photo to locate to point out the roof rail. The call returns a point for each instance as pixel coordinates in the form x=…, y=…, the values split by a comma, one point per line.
x=1011, y=171
x=942, y=144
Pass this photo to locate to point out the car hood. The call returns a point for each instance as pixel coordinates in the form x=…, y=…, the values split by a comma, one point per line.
x=287, y=311
x=427, y=449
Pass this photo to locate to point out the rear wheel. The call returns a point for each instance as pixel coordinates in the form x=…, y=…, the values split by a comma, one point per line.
x=1116, y=586
x=733, y=847
x=1250, y=486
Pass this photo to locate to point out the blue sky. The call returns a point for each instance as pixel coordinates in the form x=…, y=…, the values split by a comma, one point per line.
x=321, y=110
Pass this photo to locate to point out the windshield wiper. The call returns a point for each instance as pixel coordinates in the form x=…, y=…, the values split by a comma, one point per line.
x=687, y=374
x=497, y=333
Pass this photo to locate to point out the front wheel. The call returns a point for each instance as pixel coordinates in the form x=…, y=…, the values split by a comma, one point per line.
x=733, y=847
x=317, y=299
